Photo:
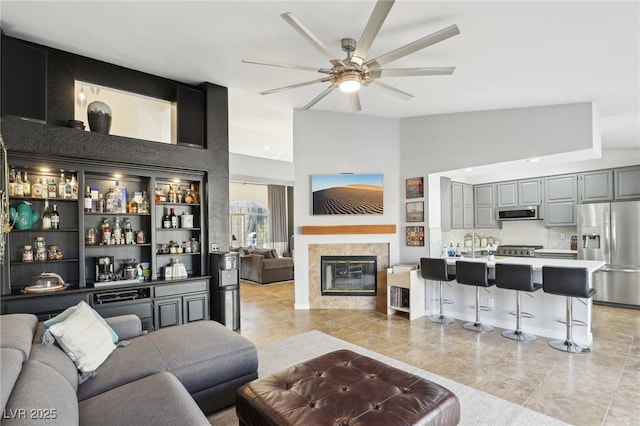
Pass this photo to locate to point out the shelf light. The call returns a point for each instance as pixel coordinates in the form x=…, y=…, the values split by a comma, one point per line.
x=533, y=160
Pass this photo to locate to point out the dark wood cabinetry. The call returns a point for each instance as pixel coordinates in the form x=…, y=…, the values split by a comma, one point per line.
x=24, y=80
x=95, y=158
x=190, y=116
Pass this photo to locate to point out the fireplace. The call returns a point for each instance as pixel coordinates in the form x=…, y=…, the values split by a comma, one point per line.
x=348, y=275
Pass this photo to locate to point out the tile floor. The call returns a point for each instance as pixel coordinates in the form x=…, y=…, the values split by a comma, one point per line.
x=597, y=388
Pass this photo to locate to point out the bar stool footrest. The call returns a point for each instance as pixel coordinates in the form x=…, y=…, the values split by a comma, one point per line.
x=575, y=322
x=522, y=314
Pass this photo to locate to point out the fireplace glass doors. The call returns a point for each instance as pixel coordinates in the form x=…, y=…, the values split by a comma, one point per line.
x=348, y=275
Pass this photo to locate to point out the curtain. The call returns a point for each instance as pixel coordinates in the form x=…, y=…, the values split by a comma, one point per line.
x=277, y=197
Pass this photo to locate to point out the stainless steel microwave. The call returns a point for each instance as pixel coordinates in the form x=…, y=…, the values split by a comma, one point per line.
x=522, y=213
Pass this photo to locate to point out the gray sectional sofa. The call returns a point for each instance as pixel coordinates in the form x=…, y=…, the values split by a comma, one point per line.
x=264, y=266
x=173, y=376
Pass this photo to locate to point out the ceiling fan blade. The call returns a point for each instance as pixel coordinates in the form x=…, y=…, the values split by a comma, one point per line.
x=280, y=65
x=355, y=102
x=406, y=95
x=379, y=14
x=410, y=72
x=294, y=86
x=310, y=37
x=410, y=48
x=318, y=98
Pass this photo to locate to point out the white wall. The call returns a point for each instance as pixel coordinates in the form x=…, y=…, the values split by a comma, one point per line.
x=245, y=168
x=447, y=142
x=327, y=143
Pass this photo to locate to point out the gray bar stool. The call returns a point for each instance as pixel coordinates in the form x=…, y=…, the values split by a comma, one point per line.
x=518, y=278
x=477, y=274
x=569, y=282
x=436, y=269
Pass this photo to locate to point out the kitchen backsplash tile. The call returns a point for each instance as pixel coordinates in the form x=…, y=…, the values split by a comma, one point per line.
x=518, y=233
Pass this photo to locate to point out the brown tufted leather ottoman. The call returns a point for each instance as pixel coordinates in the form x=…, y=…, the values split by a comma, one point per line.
x=345, y=388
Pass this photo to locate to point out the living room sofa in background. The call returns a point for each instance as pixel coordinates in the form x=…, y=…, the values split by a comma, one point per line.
x=172, y=376
x=264, y=265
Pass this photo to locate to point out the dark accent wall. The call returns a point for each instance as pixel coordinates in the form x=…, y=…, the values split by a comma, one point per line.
x=55, y=140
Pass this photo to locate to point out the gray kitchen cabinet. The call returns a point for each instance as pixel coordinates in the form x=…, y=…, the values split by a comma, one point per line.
x=485, y=209
x=195, y=307
x=181, y=303
x=507, y=194
x=561, y=188
x=461, y=206
x=467, y=206
x=562, y=213
x=595, y=186
x=627, y=183
x=530, y=192
x=457, y=210
x=561, y=194
x=167, y=312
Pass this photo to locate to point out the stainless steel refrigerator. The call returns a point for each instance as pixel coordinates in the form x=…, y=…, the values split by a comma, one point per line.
x=611, y=232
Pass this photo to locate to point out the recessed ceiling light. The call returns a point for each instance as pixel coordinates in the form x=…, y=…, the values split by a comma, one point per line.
x=533, y=160
x=266, y=148
x=468, y=169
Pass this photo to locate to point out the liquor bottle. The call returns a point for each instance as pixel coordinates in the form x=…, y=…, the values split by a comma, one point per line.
x=166, y=220
x=133, y=205
x=46, y=216
x=68, y=190
x=88, y=201
x=74, y=187
x=173, y=218
x=116, y=234
x=109, y=200
x=172, y=197
x=52, y=189
x=36, y=188
x=26, y=185
x=61, y=183
x=55, y=218
x=12, y=182
x=18, y=189
x=160, y=197
x=105, y=230
x=101, y=204
x=118, y=203
x=190, y=197
x=128, y=232
x=144, y=204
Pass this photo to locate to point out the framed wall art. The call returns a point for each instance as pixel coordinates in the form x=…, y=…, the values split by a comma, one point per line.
x=415, y=211
x=415, y=187
x=347, y=193
x=415, y=236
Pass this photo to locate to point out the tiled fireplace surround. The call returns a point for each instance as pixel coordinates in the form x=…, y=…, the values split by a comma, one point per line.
x=317, y=301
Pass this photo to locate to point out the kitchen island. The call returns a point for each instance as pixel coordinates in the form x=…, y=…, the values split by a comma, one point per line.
x=546, y=308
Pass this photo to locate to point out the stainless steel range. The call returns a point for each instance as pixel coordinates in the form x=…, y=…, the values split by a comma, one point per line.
x=517, y=251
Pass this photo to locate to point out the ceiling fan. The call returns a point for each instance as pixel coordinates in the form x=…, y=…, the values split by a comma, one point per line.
x=355, y=71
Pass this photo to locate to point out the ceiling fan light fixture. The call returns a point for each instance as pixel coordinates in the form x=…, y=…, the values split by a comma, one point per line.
x=350, y=85
x=349, y=81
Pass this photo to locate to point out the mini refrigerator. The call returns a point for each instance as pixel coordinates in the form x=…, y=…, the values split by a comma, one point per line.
x=224, y=300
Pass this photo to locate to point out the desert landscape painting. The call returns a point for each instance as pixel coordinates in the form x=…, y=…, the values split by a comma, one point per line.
x=347, y=194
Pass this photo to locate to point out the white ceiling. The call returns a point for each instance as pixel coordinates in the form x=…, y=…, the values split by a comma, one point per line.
x=508, y=55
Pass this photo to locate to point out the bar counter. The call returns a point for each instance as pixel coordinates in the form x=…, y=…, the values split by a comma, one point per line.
x=546, y=308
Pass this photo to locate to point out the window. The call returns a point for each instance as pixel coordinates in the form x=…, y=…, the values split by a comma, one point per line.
x=249, y=224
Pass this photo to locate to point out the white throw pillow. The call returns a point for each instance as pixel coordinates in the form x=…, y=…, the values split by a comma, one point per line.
x=65, y=314
x=84, y=339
